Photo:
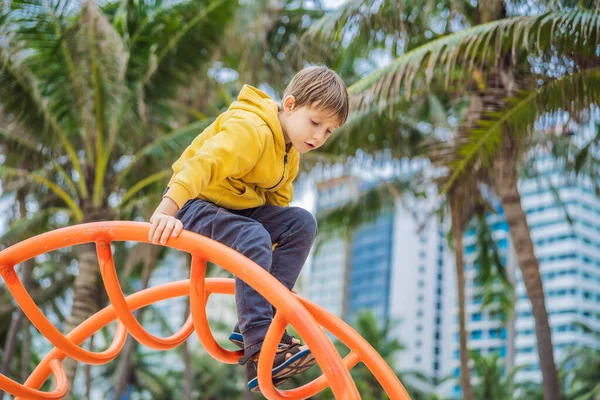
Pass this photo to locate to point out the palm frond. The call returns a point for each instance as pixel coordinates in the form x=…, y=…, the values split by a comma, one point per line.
x=42, y=41
x=166, y=146
x=135, y=189
x=8, y=171
x=32, y=78
x=24, y=227
x=363, y=28
x=572, y=93
x=19, y=140
x=586, y=157
x=394, y=131
x=360, y=16
x=169, y=44
x=100, y=64
x=571, y=31
x=492, y=277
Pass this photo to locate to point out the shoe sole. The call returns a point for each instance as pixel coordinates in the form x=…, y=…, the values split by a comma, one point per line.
x=238, y=340
x=295, y=365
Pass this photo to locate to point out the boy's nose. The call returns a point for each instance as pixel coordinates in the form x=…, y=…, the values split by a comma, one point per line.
x=319, y=137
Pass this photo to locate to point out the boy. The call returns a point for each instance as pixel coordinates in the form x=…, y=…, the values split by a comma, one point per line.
x=234, y=184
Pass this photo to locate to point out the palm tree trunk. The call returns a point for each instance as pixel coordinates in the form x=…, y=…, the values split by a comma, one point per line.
x=9, y=344
x=124, y=369
x=85, y=288
x=511, y=323
x=457, y=241
x=88, y=373
x=505, y=174
x=84, y=301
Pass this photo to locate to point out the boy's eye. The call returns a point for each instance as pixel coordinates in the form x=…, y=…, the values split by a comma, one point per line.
x=314, y=123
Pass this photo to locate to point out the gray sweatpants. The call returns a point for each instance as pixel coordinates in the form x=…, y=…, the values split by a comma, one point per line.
x=253, y=232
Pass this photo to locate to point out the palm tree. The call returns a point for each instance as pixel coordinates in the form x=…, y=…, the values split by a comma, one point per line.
x=585, y=377
x=464, y=202
x=492, y=381
x=91, y=88
x=50, y=287
x=471, y=50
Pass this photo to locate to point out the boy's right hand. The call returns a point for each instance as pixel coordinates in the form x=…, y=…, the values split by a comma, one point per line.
x=163, y=226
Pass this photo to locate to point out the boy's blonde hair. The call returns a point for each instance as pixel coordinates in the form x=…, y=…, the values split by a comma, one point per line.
x=322, y=88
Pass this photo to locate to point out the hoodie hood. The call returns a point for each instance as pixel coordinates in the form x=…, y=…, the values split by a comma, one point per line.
x=258, y=102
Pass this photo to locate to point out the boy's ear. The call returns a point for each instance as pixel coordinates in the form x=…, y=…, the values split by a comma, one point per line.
x=289, y=103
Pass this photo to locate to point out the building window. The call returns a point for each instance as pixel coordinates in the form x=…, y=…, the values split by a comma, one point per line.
x=457, y=391
x=476, y=334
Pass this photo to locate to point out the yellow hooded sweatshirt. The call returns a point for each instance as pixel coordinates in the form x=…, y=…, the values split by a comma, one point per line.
x=240, y=161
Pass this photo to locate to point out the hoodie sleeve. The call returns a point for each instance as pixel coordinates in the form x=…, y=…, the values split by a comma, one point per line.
x=234, y=150
x=283, y=196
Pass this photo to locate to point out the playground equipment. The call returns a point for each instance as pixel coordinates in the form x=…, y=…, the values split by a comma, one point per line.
x=306, y=317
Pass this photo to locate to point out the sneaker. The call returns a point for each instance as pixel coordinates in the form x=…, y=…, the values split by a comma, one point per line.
x=301, y=359
x=237, y=339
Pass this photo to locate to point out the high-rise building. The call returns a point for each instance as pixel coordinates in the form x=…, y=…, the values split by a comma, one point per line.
x=395, y=266
x=487, y=331
x=329, y=272
x=563, y=214
x=569, y=257
x=371, y=268
x=423, y=289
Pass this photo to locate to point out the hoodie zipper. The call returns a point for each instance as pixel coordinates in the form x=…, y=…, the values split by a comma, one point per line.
x=285, y=159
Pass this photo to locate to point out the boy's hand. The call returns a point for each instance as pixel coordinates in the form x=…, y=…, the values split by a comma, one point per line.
x=163, y=226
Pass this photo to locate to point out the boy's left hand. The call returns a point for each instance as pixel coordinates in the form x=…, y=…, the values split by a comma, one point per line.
x=162, y=227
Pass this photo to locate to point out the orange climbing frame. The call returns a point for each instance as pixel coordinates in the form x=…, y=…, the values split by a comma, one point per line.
x=306, y=317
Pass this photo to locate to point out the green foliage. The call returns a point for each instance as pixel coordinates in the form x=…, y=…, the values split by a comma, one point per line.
x=572, y=93
x=519, y=36
x=492, y=278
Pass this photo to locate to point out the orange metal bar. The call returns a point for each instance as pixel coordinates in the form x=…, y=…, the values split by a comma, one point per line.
x=306, y=317
x=115, y=294
x=198, y=310
x=10, y=386
x=51, y=333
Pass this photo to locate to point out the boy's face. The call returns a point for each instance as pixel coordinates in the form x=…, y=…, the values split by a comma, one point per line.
x=306, y=128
